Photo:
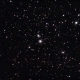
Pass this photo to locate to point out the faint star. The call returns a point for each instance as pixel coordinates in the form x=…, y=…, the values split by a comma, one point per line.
x=6, y=37
x=4, y=30
x=78, y=14
x=38, y=35
x=62, y=52
x=78, y=70
x=29, y=47
x=10, y=0
x=47, y=23
x=69, y=76
x=63, y=15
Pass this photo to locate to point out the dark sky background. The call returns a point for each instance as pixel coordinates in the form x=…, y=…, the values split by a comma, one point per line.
x=40, y=40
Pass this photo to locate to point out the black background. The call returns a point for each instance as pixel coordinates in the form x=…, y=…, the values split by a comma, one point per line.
x=21, y=21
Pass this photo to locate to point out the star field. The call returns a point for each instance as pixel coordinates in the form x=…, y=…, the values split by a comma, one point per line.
x=39, y=40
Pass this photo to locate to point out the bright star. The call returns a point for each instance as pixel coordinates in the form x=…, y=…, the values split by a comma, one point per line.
x=40, y=41
x=76, y=22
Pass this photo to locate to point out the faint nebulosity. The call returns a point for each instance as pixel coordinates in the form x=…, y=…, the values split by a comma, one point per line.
x=40, y=40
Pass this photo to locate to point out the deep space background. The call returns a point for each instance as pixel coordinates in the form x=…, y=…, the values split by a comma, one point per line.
x=40, y=40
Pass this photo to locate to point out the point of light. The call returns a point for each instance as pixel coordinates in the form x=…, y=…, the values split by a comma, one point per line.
x=63, y=15
x=76, y=22
x=40, y=41
x=63, y=52
x=10, y=0
x=29, y=47
x=78, y=14
x=38, y=35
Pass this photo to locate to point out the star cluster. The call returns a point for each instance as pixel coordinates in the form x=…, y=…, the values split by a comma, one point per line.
x=39, y=40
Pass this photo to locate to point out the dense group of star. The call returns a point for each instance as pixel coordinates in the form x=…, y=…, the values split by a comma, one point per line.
x=39, y=40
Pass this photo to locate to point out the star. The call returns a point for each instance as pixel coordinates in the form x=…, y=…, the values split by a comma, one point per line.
x=38, y=35
x=29, y=47
x=63, y=15
x=69, y=76
x=62, y=52
x=76, y=22
x=4, y=30
x=10, y=1
x=47, y=23
x=40, y=41
x=78, y=14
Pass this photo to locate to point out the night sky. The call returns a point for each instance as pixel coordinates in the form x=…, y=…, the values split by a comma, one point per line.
x=40, y=40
